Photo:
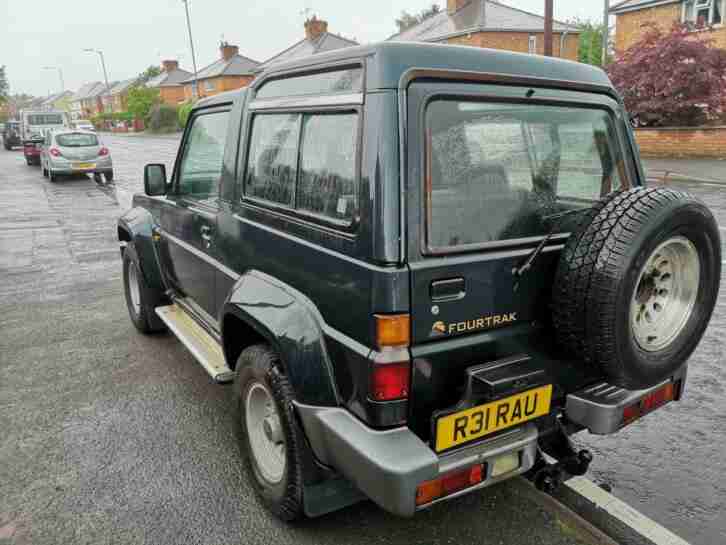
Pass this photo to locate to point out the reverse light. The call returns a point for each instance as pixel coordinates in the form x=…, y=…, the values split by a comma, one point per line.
x=390, y=381
x=55, y=152
x=654, y=400
x=446, y=485
x=103, y=151
x=393, y=330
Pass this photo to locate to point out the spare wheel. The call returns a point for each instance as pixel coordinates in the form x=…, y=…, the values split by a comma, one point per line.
x=636, y=284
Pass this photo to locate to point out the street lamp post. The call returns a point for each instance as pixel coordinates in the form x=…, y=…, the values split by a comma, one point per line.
x=60, y=75
x=191, y=46
x=605, y=33
x=103, y=65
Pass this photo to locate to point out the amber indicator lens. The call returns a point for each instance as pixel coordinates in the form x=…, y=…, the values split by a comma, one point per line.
x=393, y=330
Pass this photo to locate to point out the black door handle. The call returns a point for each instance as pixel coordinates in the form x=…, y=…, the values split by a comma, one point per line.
x=449, y=289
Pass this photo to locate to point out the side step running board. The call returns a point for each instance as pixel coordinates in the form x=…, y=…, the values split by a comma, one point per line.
x=203, y=347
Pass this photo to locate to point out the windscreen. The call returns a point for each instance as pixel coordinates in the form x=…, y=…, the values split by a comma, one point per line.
x=45, y=119
x=76, y=140
x=498, y=171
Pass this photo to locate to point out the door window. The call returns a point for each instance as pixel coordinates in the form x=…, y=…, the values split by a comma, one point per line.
x=201, y=165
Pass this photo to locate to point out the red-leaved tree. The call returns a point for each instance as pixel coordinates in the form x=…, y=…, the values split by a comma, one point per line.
x=673, y=78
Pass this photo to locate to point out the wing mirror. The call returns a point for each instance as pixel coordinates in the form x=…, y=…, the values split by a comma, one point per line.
x=155, y=179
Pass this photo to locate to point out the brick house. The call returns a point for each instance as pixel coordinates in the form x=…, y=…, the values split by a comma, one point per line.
x=230, y=71
x=486, y=23
x=116, y=100
x=91, y=102
x=630, y=16
x=169, y=82
x=317, y=40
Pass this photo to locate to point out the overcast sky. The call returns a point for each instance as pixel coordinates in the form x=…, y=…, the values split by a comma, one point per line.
x=136, y=33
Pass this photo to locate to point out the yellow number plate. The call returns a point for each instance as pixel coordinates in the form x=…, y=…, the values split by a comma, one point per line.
x=470, y=424
x=84, y=165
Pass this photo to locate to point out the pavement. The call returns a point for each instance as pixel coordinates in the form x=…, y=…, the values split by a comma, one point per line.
x=709, y=170
x=109, y=436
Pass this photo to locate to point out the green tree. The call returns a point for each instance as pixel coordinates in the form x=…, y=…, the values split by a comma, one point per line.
x=150, y=72
x=3, y=86
x=142, y=100
x=589, y=49
x=407, y=20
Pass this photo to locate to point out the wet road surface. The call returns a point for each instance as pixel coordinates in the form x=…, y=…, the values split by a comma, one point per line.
x=109, y=436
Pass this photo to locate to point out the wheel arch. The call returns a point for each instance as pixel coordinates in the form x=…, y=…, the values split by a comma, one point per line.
x=260, y=308
x=137, y=226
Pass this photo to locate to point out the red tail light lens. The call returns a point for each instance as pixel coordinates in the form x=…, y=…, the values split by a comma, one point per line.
x=103, y=151
x=390, y=381
x=651, y=402
x=429, y=491
x=55, y=152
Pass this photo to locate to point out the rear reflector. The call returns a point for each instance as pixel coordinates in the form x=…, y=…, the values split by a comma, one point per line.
x=393, y=330
x=651, y=402
x=440, y=487
x=390, y=380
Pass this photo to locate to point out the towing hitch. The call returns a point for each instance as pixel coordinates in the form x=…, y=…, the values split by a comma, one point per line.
x=548, y=476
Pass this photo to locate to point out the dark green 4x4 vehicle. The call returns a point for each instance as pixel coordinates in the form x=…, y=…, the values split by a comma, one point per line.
x=423, y=267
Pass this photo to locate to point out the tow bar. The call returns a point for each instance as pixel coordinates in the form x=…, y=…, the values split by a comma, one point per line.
x=547, y=476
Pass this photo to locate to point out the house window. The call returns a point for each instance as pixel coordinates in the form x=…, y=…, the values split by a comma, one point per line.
x=533, y=45
x=702, y=12
x=209, y=85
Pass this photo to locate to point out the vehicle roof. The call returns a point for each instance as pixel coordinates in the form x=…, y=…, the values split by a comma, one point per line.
x=56, y=132
x=387, y=62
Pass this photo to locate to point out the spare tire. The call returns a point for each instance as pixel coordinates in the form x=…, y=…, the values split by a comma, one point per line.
x=636, y=284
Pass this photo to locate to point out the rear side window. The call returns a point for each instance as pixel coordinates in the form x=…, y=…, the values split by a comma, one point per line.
x=314, y=173
x=272, y=162
x=76, y=140
x=201, y=165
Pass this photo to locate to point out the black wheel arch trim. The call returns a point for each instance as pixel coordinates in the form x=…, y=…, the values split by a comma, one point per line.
x=138, y=225
x=293, y=326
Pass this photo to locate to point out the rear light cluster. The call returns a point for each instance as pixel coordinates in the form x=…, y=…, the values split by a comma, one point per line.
x=446, y=485
x=103, y=151
x=651, y=402
x=55, y=152
x=391, y=369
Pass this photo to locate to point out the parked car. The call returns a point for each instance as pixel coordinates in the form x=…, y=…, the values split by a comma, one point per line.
x=73, y=151
x=34, y=125
x=424, y=267
x=11, y=135
x=84, y=125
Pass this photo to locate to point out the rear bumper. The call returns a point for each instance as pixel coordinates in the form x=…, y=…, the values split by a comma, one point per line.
x=62, y=166
x=387, y=466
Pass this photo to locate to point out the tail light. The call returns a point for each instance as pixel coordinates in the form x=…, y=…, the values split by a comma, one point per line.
x=55, y=152
x=391, y=368
x=654, y=400
x=446, y=485
x=103, y=151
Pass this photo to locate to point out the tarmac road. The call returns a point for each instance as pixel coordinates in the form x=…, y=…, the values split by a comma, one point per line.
x=108, y=436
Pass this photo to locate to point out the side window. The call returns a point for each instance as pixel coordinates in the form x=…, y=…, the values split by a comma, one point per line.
x=327, y=177
x=201, y=165
x=272, y=161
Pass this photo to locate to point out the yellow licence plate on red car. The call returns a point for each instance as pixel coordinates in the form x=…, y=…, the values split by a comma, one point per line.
x=84, y=165
x=470, y=424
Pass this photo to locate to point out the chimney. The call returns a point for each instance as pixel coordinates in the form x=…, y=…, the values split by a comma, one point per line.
x=455, y=5
x=169, y=65
x=228, y=51
x=314, y=27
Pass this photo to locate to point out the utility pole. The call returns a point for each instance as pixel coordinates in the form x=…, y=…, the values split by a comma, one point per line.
x=605, y=31
x=191, y=46
x=103, y=65
x=548, y=28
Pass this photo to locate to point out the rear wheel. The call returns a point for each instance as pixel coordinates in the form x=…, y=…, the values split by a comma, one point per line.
x=141, y=300
x=52, y=176
x=269, y=438
x=98, y=178
x=45, y=172
x=636, y=284
x=108, y=175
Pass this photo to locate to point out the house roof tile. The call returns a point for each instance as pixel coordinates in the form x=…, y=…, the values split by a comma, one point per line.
x=327, y=41
x=239, y=65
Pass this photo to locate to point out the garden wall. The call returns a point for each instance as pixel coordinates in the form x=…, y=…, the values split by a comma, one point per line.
x=682, y=142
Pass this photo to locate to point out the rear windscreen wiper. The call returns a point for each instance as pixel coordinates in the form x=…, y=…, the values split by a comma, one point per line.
x=520, y=271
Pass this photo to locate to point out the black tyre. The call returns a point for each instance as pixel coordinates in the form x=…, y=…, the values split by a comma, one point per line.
x=636, y=284
x=269, y=439
x=45, y=172
x=52, y=176
x=108, y=175
x=98, y=178
x=141, y=300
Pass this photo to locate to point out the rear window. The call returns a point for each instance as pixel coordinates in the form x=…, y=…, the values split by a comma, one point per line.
x=45, y=119
x=76, y=140
x=498, y=171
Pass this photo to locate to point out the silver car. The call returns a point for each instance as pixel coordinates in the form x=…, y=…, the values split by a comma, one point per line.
x=73, y=151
